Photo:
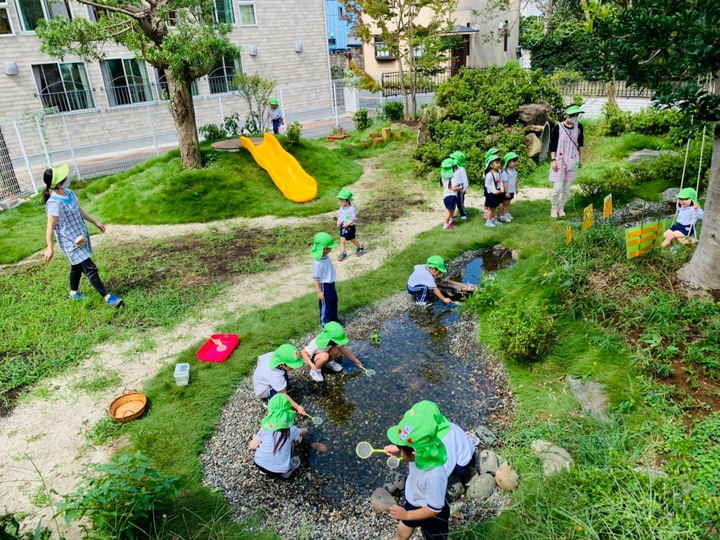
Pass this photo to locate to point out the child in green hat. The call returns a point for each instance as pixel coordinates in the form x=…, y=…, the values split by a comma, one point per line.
x=493, y=189
x=460, y=178
x=450, y=189
x=326, y=349
x=271, y=374
x=688, y=213
x=422, y=281
x=274, y=114
x=323, y=273
x=273, y=443
x=347, y=217
x=510, y=186
x=417, y=439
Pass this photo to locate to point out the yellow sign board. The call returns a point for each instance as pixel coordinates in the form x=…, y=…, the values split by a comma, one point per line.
x=587, y=217
x=607, y=206
x=568, y=235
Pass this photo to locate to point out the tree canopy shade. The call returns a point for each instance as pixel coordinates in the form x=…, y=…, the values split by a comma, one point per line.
x=673, y=48
x=178, y=37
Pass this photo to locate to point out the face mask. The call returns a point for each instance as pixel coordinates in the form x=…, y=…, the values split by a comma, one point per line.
x=66, y=183
x=572, y=120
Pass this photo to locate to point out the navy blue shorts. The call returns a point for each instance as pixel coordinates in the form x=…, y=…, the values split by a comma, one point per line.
x=450, y=202
x=492, y=200
x=434, y=528
x=687, y=230
x=508, y=196
x=348, y=233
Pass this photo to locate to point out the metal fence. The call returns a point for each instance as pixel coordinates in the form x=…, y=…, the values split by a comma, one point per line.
x=97, y=142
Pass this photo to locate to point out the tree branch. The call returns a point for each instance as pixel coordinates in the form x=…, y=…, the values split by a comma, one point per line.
x=130, y=11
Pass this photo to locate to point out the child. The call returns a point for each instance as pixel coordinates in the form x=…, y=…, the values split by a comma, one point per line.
x=493, y=189
x=274, y=114
x=66, y=220
x=416, y=439
x=687, y=215
x=326, y=349
x=422, y=281
x=509, y=180
x=271, y=374
x=462, y=181
x=346, y=223
x=273, y=444
x=323, y=273
x=450, y=188
x=566, y=157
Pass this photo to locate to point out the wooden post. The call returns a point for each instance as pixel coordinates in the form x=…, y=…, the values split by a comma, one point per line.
x=386, y=133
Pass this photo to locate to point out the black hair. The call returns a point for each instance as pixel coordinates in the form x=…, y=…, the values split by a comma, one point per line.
x=47, y=178
x=280, y=441
x=406, y=451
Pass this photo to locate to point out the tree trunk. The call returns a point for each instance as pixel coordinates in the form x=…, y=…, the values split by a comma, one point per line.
x=183, y=111
x=548, y=13
x=703, y=270
x=611, y=92
x=403, y=91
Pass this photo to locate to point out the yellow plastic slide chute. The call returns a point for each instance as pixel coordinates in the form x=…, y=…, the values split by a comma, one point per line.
x=289, y=177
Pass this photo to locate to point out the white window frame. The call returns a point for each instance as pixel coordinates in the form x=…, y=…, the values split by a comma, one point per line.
x=45, y=5
x=4, y=4
x=231, y=5
x=110, y=87
x=88, y=90
x=243, y=3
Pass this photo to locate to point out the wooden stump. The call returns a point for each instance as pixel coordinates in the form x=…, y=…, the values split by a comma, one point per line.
x=398, y=134
x=386, y=133
x=365, y=144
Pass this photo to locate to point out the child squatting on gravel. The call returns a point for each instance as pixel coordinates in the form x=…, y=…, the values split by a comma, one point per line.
x=271, y=374
x=422, y=281
x=689, y=212
x=273, y=444
x=347, y=218
x=325, y=351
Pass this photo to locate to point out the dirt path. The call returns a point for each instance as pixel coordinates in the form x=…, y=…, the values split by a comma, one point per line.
x=48, y=428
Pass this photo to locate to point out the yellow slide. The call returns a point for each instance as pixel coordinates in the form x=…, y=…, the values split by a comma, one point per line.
x=290, y=178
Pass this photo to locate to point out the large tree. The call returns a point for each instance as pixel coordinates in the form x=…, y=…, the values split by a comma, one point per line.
x=419, y=48
x=673, y=48
x=178, y=37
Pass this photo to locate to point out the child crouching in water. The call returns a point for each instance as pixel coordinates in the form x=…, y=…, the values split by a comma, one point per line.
x=273, y=444
x=687, y=215
x=509, y=180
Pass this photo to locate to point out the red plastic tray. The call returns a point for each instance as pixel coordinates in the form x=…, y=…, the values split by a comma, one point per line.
x=209, y=351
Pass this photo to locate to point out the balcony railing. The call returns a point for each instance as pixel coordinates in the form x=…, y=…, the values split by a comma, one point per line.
x=72, y=100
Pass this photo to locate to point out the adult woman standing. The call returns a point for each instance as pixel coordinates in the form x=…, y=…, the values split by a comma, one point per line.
x=66, y=220
x=566, y=145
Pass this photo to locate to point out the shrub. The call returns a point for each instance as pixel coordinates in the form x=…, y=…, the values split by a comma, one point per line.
x=655, y=122
x=615, y=121
x=619, y=181
x=212, y=132
x=361, y=120
x=394, y=111
x=524, y=332
x=229, y=129
x=292, y=133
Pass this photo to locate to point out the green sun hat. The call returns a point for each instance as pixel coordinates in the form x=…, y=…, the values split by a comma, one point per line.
x=688, y=193
x=490, y=159
x=274, y=101
x=573, y=110
x=446, y=168
x=321, y=241
x=286, y=354
x=431, y=410
x=507, y=158
x=59, y=175
x=333, y=331
x=345, y=193
x=419, y=432
x=280, y=414
x=459, y=158
x=492, y=152
x=436, y=261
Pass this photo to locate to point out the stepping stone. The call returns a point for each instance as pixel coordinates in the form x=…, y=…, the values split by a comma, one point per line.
x=591, y=395
x=480, y=487
x=381, y=500
x=554, y=458
x=647, y=155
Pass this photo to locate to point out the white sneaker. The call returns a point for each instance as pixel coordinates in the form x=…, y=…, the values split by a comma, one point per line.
x=489, y=223
x=473, y=438
x=504, y=219
x=509, y=216
x=496, y=221
x=334, y=366
x=464, y=218
x=316, y=375
x=294, y=465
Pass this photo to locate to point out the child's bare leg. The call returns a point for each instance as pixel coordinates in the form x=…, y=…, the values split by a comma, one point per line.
x=355, y=243
x=448, y=216
x=333, y=353
x=669, y=236
x=320, y=359
x=342, y=244
x=403, y=531
x=506, y=207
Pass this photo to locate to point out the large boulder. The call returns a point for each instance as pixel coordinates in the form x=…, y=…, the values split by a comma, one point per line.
x=534, y=113
x=592, y=396
x=486, y=436
x=489, y=462
x=534, y=128
x=554, y=458
x=670, y=195
x=480, y=487
x=647, y=155
x=506, y=478
x=394, y=482
x=381, y=500
x=534, y=145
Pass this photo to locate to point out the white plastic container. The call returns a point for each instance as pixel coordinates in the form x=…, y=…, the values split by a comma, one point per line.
x=182, y=374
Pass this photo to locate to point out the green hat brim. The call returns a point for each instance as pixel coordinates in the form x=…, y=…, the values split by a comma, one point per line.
x=59, y=175
x=286, y=354
x=573, y=109
x=507, y=158
x=446, y=173
x=345, y=194
x=687, y=193
x=333, y=331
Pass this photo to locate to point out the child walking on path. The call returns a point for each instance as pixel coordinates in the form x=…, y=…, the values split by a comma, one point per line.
x=323, y=273
x=326, y=349
x=460, y=178
x=271, y=374
x=347, y=217
x=689, y=212
x=493, y=189
x=566, y=157
x=510, y=185
x=273, y=443
x=422, y=281
x=274, y=114
x=66, y=220
x=450, y=189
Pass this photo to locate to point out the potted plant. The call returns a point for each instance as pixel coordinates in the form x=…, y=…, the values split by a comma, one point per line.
x=338, y=133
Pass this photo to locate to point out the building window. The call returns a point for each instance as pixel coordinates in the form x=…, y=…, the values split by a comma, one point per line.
x=381, y=50
x=64, y=87
x=5, y=27
x=164, y=89
x=221, y=79
x=126, y=82
x=224, y=12
x=94, y=13
x=31, y=11
x=247, y=13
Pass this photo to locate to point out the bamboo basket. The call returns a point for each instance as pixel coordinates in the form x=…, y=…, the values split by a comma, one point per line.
x=129, y=406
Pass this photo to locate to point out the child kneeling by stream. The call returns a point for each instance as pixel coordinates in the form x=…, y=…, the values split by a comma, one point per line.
x=422, y=281
x=274, y=443
x=326, y=350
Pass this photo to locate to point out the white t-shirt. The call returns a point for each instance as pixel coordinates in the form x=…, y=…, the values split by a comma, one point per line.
x=266, y=378
x=509, y=176
x=422, y=276
x=491, y=182
x=312, y=348
x=347, y=215
x=323, y=270
x=459, y=448
x=426, y=488
x=447, y=184
x=264, y=456
x=460, y=178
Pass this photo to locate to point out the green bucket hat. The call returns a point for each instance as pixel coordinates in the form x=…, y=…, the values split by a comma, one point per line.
x=436, y=261
x=490, y=159
x=286, y=354
x=333, y=331
x=492, y=152
x=688, y=193
x=446, y=168
x=431, y=410
x=459, y=158
x=573, y=109
x=280, y=414
x=419, y=432
x=345, y=193
x=274, y=101
x=321, y=241
x=507, y=158
x=59, y=175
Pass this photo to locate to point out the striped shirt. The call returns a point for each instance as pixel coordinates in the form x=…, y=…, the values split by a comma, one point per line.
x=70, y=225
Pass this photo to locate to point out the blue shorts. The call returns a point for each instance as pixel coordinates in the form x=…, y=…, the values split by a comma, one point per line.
x=687, y=230
x=434, y=528
x=348, y=233
x=450, y=202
